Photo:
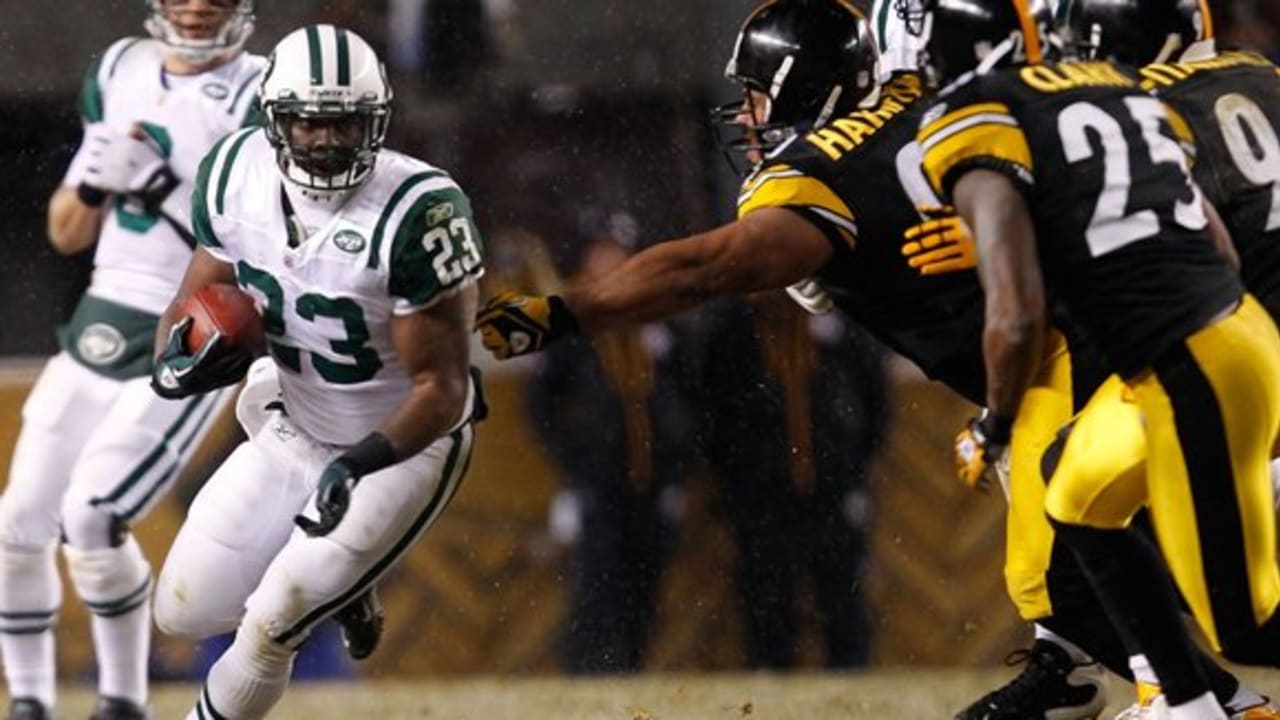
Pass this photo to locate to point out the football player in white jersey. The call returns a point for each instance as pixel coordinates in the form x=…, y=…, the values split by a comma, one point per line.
x=97, y=448
x=365, y=263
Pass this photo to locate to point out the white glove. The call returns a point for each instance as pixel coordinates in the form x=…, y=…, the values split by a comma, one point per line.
x=809, y=295
x=118, y=162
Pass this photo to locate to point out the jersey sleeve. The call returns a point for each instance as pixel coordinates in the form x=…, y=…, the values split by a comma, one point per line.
x=436, y=249
x=209, y=196
x=966, y=131
x=782, y=185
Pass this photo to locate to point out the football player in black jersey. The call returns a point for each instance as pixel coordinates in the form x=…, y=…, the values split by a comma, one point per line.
x=1076, y=190
x=840, y=185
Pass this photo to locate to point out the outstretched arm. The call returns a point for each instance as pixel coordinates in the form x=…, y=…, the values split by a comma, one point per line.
x=765, y=250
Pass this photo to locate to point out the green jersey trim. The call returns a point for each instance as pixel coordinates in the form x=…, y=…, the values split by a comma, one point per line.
x=252, y=105
x=91, y=94
x=225, y=176
x=436, y=248
x=375, y=249
x=200, y=221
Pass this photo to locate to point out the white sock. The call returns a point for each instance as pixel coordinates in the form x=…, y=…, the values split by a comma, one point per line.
x=30, y=595
x=1142, y=670
x=122, y=643
x=115, y=584
x=249, y=679
x=1244, y=699
x=1078, y=656
x=1205, y=707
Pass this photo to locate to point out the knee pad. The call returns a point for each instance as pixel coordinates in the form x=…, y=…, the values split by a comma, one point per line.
x=87, y=525
x=111, y=581
x=30, y=591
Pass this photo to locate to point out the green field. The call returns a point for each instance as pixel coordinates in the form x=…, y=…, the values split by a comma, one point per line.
x=877, y=695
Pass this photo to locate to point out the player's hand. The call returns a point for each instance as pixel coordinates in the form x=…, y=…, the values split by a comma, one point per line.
x=979, y=447
x=178, y=374
x=810, y=295
x=333, y=497
x=940, y=244
x=120, y=161
x=512, y=324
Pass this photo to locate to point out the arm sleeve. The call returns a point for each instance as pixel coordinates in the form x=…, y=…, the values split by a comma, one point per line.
x=784, y=186
x=436, y=251
x=961, y=136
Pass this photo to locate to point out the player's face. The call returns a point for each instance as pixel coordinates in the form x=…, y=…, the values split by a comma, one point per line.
x=754, y=113
x=329, y=142
x=199, y=19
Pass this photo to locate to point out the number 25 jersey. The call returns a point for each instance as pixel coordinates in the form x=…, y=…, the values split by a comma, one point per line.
x=1120, y=227
x=398, y=243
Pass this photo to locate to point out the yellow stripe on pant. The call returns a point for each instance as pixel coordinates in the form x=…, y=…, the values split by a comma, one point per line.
x=1046, y=407
x=1210, y=411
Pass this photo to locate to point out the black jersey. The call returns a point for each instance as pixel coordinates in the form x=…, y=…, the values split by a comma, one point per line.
x=1231, y=105
x=854, y=178
x=1120, y=227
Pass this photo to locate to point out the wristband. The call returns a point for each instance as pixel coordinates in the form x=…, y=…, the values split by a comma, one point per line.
x=996, y=429
x=370, y=455
x=90, y=195
x=560, y=317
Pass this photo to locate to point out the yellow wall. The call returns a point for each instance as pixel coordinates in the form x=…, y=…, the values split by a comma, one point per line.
x=482, y=592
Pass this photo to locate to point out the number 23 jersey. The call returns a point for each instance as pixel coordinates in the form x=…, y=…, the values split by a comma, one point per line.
x=1120, y=227
x=400, y=242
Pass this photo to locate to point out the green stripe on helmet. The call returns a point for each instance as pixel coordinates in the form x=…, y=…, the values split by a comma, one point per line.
x=344, y=58
x=317, y=63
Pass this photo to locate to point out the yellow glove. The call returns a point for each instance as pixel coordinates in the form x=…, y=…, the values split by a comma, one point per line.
x=940, y=244
x=978, y=446
x=512, y=324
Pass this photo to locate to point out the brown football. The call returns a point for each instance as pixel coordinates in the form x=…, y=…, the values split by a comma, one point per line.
x=226, y=309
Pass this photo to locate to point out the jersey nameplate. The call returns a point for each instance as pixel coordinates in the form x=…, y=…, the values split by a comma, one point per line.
x=847, y=133
x=1167, y=74
x=1069, y=76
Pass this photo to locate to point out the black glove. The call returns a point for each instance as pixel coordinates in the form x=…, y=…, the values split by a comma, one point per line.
x=333, y=497
x=178, y=374
x=512, y=324
x=339, y=478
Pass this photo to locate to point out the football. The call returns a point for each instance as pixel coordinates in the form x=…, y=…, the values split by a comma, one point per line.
x=226, y=309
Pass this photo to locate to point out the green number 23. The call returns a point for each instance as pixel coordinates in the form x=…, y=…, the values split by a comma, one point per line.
x=309, y=306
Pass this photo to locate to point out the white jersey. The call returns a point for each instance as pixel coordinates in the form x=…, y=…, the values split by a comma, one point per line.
x=140, y=256
x=900, y=51
x=400, y=242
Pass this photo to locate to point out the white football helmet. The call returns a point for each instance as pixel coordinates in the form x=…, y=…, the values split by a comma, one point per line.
x=324, y=72
x=237, y=28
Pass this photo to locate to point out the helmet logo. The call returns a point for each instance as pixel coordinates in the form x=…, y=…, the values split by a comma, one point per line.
x=349, y=241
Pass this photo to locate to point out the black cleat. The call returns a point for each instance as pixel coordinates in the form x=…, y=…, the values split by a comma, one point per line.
x=27, y=709
x=361, y=621
x=1050, y=687
x=113, y=708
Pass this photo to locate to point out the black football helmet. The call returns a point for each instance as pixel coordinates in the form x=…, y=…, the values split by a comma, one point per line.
x=815, y=59
x=1136, y=32
x=979, y=35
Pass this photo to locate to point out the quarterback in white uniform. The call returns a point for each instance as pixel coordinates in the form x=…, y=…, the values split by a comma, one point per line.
x=98, y=449
x=365, y=264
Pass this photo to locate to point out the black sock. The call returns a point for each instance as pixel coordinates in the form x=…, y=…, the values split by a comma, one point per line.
x=1129, y=577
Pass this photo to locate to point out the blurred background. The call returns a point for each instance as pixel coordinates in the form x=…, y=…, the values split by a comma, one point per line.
x=742, y=487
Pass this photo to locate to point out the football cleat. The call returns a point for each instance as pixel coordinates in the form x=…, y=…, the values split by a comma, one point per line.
x=1262, y=711
x=1050, y=687
x=361, y=621
x=113, y=708
x=1151, y=704
x=27, y=709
